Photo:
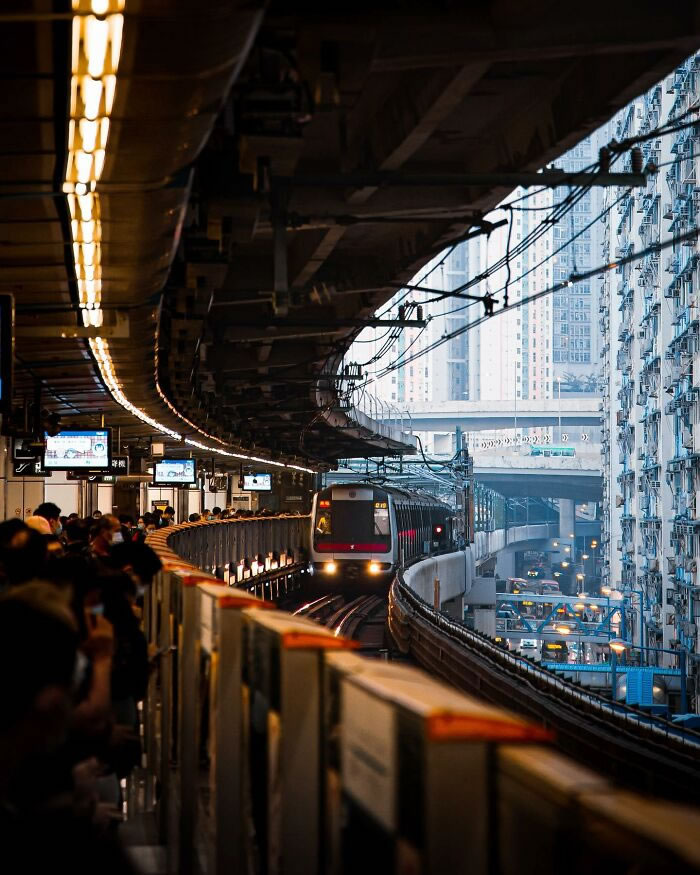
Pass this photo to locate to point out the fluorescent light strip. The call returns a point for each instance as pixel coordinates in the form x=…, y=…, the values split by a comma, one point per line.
x=96, y=49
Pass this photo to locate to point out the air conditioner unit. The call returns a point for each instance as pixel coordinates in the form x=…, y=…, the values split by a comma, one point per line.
x=670, y=619
x=619, y=501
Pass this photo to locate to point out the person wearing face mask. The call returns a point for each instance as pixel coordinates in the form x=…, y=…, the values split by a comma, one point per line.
x=138, y=532
x=105, y=532
x=51, y=513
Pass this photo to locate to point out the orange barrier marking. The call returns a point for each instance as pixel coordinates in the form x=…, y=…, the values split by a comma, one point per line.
x=309, y=641
x=194, y=579
x=229, y=601
x=448, y=727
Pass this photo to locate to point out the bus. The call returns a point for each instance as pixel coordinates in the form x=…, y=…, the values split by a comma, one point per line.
x=535, y=450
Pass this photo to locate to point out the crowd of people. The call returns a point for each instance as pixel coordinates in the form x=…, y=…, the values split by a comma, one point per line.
x=230, y=514
x=75, y=665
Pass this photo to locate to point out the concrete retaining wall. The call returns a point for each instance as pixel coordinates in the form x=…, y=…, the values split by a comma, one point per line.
x=455, y=571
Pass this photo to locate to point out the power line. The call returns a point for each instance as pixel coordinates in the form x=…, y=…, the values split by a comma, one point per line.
x=573, y=280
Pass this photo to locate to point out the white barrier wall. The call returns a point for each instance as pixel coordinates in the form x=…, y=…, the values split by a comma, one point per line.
x=455, y=571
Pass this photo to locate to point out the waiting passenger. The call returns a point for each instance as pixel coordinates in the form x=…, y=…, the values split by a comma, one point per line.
x=194, y=517
x=138, y=561
x=105, y=532
x=168, y=516
x=52, y=513
x=77, y=537
x=39, y=524
x=22, y=553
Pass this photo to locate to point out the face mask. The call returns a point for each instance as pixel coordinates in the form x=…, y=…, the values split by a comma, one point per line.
x=117, y=538
x=141, y=526
x=97, y=609
x=140, y=591
x=210, y=517
x=58, y=529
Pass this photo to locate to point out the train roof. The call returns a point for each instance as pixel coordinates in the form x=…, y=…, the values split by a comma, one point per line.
x=401, y=494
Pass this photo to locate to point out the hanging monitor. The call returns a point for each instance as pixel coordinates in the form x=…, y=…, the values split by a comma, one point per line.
x=174, y=472
x=76, y=450
x=257, y=482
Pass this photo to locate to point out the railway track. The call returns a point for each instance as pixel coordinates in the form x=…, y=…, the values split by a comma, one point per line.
x=363, y=619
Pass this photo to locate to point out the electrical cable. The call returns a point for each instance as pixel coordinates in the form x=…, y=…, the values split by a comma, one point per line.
x=573, y=279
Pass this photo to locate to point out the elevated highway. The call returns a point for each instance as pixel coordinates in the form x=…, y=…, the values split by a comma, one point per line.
x=579, y=478
x=574, y=413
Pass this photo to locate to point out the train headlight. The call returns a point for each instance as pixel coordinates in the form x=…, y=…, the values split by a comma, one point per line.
x=374, y=568
x=330, y=567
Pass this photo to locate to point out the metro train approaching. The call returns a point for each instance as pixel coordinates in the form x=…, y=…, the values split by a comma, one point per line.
x=360, y=532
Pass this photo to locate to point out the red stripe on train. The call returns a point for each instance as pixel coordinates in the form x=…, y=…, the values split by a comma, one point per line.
x=352, y=548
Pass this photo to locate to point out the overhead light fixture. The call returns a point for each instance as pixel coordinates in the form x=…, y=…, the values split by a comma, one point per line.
x=96, y=49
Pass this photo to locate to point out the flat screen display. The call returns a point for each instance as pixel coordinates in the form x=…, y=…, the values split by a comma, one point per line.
x=75, y=450
x=257, y=482
x=175, y=471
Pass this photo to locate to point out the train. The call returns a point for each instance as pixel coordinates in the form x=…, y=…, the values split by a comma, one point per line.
x=360, y=532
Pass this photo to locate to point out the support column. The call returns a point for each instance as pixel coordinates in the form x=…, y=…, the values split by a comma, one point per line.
x=505, y=563
x=567, y=527
x=454, y=608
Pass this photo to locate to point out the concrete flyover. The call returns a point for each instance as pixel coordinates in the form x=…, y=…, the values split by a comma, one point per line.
x=491, y=415
x=579, y=478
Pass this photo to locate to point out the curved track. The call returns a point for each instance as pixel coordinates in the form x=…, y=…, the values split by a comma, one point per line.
x=363, y=618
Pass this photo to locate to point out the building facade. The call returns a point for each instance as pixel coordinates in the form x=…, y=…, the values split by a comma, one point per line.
x=651, y=365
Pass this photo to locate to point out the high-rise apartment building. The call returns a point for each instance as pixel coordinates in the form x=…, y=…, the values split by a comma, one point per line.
x=650, y=355
x=575, y=331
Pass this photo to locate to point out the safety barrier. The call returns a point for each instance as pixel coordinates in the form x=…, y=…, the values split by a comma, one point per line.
x=635, y=748
x=321, y=761
x=235, y=549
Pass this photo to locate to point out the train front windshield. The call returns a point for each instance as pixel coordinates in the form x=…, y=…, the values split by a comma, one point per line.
x=352, y=521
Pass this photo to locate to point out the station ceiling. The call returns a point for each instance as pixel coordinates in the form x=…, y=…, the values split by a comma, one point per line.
x=273, y=174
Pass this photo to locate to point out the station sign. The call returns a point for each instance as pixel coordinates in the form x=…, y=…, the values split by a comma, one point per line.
x=119, y=467
x=29, y=468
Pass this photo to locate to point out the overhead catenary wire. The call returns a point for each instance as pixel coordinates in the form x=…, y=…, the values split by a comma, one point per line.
x=566, y=244
x=573, y=280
